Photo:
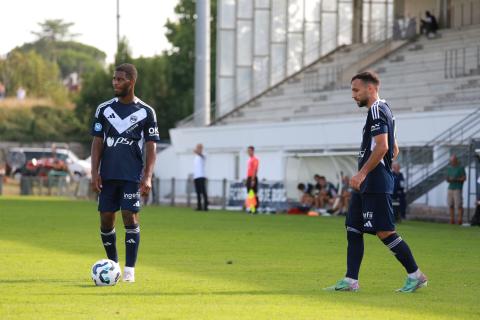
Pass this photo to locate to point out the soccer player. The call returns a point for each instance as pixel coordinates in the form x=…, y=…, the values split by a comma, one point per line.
x=121, y=127
x=370, y=209
x=252, y=170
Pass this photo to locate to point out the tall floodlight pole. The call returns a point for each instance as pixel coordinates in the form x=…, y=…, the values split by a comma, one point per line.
x=202, y=64
x=118, y=24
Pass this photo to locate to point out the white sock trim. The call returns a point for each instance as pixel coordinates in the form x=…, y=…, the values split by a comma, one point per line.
x=415, y=275
x=350, y=280
x=107, y=233
x=128, y=269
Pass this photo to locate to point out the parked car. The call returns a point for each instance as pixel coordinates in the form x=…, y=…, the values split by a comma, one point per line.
x=19, y=157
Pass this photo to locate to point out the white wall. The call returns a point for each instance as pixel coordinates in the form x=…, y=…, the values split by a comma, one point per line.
x=277, y=143
x=417, y=8
x=343, y=132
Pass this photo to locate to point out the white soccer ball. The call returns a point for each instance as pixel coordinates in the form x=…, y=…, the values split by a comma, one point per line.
x=106, y=272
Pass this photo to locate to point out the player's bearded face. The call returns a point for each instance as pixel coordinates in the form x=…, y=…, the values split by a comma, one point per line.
x=362, y=102
x=121, y=84
x=360, y=93
x=122, y=90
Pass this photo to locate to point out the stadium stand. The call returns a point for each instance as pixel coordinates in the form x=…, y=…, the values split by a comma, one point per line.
x=423, y=75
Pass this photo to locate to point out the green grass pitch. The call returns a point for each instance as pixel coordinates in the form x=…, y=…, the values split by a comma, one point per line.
x=279, y=265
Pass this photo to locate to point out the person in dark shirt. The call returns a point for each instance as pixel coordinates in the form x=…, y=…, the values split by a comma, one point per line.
x=325, y=192
x=120, y=129
x=340, y=206
x=398, y=195
x=370, y=209
x=429, y=25
x=306, y=198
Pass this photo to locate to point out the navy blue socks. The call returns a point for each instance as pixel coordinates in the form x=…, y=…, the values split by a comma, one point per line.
x=132, y=241
x=109, y=240
x=354, y=252
x=401, y=251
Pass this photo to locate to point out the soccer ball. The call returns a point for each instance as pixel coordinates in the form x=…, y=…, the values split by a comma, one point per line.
x=106, y=272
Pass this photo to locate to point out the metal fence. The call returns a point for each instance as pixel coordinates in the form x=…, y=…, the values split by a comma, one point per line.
x=62, y=186
x=222, y=194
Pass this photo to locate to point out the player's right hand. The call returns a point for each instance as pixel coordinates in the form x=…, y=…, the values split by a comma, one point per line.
x=96, y=182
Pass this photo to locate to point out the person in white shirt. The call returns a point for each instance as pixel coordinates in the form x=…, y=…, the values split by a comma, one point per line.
x=199, y=178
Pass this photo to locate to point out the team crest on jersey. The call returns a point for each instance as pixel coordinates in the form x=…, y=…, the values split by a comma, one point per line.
x=133, y=119
x=98, y=126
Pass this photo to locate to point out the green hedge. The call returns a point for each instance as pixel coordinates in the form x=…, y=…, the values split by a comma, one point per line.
x=41, y=124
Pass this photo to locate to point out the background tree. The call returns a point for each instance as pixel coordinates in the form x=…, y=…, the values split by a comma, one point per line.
x=124, y=52
x=97, y=88
x=38, y=76
x=181, y=58
x=70, y=56
x=165, y=82
x=54, y=30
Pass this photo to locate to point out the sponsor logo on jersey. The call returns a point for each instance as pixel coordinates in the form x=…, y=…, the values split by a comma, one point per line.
x=367, y=215
x=130, y=196
x=375, y=127
x=135, y=126
x=153, y=131
x=98, y=126
x=111, y=142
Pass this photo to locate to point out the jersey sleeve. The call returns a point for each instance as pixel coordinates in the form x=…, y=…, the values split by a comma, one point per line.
x=379, y=121
x=97, y=125
x=150, y=130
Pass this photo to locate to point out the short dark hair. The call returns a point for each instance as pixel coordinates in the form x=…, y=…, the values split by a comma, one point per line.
x=367, y=77
x=251, y=147
x=129, y=70
x=316, y=176
x=301, y=186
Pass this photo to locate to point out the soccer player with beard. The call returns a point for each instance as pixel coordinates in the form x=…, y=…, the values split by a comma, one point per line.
x=370, y=209
x=123, y=127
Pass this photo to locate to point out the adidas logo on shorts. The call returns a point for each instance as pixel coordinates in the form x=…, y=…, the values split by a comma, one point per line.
x=368, y=224
x=136, y=204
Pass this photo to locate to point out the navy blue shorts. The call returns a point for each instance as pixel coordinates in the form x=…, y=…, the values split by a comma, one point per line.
x=370, y=212
x=119, y=194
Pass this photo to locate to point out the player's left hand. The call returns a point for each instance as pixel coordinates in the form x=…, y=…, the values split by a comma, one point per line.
x=357, y=180
x=145, y=186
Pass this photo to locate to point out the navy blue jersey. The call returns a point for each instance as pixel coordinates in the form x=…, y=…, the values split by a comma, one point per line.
x=124, y=129
x=308, y=189
x=380, y=120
